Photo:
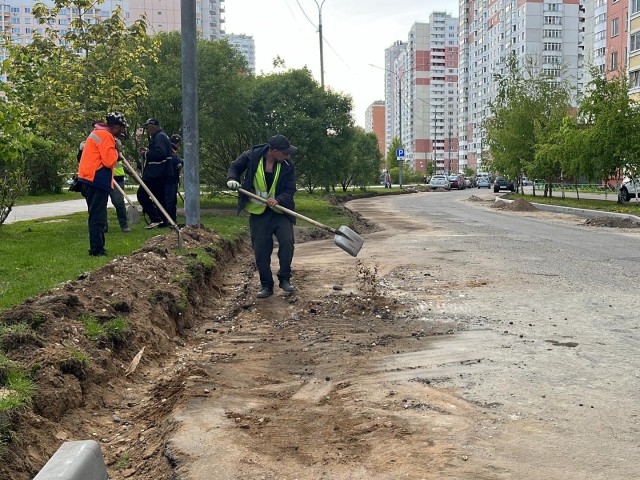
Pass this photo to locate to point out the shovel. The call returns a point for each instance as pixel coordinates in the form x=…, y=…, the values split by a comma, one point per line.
x=132, y=211
x=154, y=200
x=345, y=238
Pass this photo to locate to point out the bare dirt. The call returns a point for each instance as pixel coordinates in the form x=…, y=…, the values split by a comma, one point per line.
x=232, y=387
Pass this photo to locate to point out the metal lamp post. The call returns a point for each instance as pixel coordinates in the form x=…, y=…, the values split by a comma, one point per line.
x=319, y=5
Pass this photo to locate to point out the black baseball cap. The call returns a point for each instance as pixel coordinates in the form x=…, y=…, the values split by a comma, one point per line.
x=281, y=143
x=152, y=121
x=175, y=138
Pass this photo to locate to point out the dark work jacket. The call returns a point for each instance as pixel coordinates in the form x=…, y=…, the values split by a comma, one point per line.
x=176, y=167
x=157, y=159
x=247, y=164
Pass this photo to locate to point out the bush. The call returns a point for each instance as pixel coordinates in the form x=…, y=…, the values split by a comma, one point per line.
x=42, y=163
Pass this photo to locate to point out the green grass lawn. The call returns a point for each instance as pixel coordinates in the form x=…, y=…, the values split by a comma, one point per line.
x=37, y=255
x=631, y=207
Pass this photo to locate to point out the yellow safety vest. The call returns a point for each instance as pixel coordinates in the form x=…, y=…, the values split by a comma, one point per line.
x=254, y=206
x=118, y=170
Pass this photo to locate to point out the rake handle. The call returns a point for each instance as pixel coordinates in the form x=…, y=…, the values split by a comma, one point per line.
x=289, y=212
x=119, y=188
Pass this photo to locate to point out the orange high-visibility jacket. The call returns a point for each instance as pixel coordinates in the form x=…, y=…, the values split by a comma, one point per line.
x=99, y=156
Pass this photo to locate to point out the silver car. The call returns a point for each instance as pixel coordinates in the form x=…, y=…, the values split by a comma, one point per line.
x=440, y=181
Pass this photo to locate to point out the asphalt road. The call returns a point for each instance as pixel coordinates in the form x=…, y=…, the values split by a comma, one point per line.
x=550, y=341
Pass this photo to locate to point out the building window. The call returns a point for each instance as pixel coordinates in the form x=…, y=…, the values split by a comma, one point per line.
x=614, y=61
x=15, y=20
x=15, y=10
x=634, y=78
x=634, y=42
x=614, y=27
x=635, y=6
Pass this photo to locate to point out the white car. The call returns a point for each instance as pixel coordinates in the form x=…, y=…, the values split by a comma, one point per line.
x=440, y=181
x=628, y=189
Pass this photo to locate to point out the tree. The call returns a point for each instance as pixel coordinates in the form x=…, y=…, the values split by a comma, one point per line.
x=224, y=92
x=14, y=140
x=69, y=79
x=612, y=122
x=317, y=121
x=365, y=160
x=526, y=109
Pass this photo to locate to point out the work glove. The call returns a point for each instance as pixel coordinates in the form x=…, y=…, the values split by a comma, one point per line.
x=119, y=146
x=233, y=185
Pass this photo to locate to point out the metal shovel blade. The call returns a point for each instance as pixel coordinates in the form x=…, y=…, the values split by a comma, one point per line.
x=348, y=240
x=133, y=215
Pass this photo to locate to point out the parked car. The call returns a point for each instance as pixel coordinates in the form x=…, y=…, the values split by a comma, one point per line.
x=467, y=182
x=628, y=189
x=526, y=182
x=456, y=181
x=483, y=182
x=502, y=183
x=440, y=181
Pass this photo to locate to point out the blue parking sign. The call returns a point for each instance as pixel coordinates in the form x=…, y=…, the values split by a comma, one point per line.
x=399, y=152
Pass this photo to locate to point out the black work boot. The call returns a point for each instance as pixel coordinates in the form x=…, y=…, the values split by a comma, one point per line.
x=286, y=286
x=265, y=292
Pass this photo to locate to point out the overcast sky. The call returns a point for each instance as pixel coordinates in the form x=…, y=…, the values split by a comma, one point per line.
x=356, y=33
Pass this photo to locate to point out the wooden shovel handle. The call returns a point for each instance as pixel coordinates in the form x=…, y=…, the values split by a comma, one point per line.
x=288, y=211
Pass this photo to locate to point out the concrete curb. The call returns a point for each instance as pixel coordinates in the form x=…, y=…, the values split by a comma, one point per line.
x=81, y=460
x=582, y=212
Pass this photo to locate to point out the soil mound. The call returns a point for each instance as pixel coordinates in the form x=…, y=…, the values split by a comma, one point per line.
x=518, y=205
x=613, y=222
x=475, y=198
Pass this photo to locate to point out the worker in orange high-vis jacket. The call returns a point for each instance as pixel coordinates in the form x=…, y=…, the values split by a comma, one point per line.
x=95, y=172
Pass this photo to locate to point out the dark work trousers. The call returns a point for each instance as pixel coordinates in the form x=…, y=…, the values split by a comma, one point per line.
x=157, y=186
x=118, y=202
x=171, y=195
x=97, y=206
x=263, y=228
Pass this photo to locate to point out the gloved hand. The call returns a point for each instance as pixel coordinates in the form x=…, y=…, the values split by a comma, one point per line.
x=119, y=146
x=233, y=185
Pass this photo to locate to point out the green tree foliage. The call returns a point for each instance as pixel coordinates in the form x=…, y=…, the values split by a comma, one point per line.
x=612, y=121
x=43, y=162
x=14, y=140
x=390, y=159
x=67, y=81
x=364, y=162
x=317, y=121
x=224, y=115
x=527, y=110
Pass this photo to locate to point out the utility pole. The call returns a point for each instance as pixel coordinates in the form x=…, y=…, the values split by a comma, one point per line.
x=400, y=127
x=319, y=5
x=190, y=113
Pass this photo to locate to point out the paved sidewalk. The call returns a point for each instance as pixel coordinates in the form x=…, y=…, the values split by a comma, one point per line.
x=44, y=210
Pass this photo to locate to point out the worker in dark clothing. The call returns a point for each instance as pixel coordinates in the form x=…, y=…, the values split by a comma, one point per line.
x=173, y=180
x=156, y=168
x=268, y=172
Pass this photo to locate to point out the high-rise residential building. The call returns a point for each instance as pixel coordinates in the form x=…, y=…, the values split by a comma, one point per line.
x=164, y=16
x=392, y=91
x=374, y=121
x=551, y=32
x=634, y=49
x=247, y=46
x=422, y=86
x=617, y=31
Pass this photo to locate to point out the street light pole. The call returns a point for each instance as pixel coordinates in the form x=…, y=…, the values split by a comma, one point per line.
x=319, y=5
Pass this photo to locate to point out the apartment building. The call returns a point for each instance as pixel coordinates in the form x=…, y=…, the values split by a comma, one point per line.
x=392, y=91
x=422, y=88
x=634, y=49
x=246, y=46
x=551, y=32
x=374, y=121
x=162, y=15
